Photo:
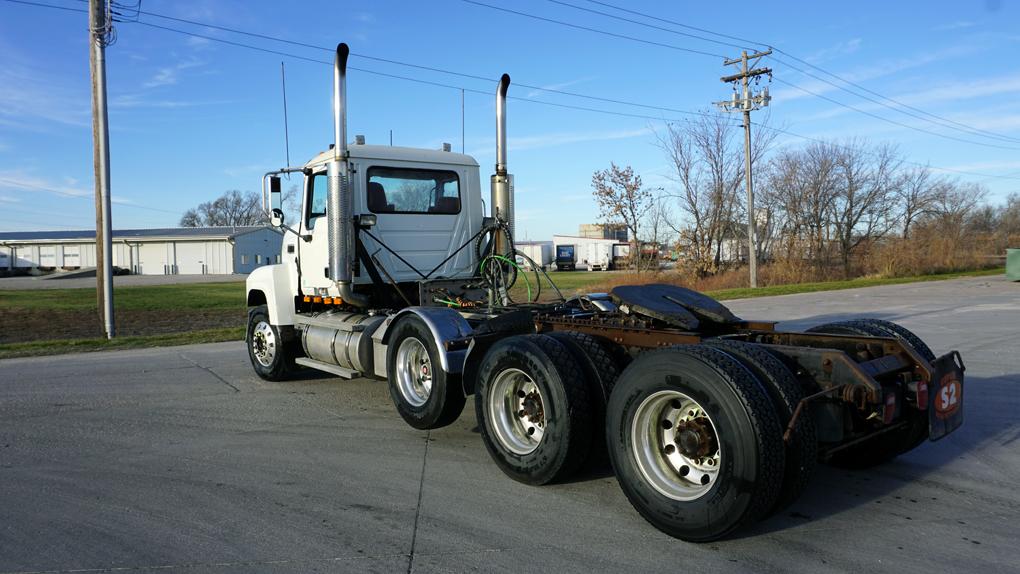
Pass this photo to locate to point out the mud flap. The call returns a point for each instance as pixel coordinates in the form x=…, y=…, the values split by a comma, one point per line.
x=945, y=410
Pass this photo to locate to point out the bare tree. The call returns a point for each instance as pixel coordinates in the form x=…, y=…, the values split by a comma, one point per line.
x=866, y=185
x=708, y=166
x=918, y=194
x=235, y=209
x=622, y=199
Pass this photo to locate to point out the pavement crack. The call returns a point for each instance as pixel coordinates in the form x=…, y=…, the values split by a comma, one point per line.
x=211, y=372
x=417, y=510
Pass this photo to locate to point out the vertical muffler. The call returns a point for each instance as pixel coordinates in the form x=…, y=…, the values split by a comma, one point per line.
x=501, y=182
x=339, y=204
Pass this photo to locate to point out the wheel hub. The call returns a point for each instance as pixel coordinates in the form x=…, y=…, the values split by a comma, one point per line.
x=516, y=411
x=675, y=445
x=263, y=344
x=694, y=438
x=413, y=372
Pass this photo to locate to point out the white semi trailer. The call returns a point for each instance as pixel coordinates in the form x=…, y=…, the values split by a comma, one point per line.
x=711, y=422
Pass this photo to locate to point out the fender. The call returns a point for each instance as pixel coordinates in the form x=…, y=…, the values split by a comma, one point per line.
x=445, y=324
x=273, y=282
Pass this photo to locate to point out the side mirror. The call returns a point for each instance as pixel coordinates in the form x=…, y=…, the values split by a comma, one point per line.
x=275, y=202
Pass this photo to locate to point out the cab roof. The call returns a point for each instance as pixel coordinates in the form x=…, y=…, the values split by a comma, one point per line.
x=397, y=153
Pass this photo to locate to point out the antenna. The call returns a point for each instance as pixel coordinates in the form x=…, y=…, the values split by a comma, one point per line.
x=286, y=129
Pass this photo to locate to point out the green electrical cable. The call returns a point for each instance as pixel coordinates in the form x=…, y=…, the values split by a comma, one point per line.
x=527, y=283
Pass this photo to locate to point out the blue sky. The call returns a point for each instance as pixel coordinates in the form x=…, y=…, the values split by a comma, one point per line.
x=191, y=118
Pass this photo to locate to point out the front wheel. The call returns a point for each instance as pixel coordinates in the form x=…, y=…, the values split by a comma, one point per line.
x=426, y=396
x=271, y=355
x=695, y=442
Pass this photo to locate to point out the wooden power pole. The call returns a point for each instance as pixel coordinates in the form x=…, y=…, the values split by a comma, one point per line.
x=746, y=102
x=100, y=34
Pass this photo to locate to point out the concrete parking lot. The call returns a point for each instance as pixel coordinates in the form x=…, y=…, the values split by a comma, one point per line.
x=180, y=459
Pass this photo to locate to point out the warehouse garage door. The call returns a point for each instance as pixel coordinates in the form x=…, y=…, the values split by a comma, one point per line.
x=72, y=256
x=191, y=257
x=152, y=258
x=48, y=256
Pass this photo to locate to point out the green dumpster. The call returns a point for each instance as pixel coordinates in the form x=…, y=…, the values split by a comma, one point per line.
x=1013, y=264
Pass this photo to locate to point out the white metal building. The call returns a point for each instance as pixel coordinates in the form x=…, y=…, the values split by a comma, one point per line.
x=592, y=254
x=172, y=251
x=540, y=252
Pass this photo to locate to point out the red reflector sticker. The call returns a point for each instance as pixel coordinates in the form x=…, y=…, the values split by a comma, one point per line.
x=890, y=408
x=922, y=395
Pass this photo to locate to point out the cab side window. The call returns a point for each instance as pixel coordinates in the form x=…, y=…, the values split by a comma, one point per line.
x=315, y=200
x=413, y=190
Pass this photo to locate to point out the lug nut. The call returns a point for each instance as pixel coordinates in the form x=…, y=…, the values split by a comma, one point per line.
x=685, y=470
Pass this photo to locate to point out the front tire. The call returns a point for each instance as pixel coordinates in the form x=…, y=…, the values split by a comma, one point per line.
x=271, y=355
x=695, y=442
x=425, y=395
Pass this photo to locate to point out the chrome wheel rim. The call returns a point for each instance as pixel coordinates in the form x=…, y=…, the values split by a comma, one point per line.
x=414, y=372
x=675, y=445
x=263, y=343
x=516, y=411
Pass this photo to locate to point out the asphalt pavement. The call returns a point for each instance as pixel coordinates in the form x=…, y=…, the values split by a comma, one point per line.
x=180, y=459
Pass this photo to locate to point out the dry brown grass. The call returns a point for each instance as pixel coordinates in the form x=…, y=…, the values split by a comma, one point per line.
x=928, y=251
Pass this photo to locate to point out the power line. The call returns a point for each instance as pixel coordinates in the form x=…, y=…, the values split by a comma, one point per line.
x=27, y=3
x=971, y=129
x=549, y=90
x=942, y=121
x=64, y=193
x=487, y=93
x=756, y=45
x=914, y=163
x=595, y=30
x=891, y=121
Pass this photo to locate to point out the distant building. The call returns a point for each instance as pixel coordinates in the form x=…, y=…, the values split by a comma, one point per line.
x=541, y=252
x=615, y=231
x=173, y=251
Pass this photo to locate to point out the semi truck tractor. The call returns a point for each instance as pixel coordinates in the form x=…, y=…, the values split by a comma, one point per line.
x=566, y=257
x=394, y=272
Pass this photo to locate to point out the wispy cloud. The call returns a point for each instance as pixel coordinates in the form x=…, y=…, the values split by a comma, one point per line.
x=540, y=141
x=141, y=100
x=840, y=49
x=559, y=86
x=29, y=92
x=948, y=92
x=958, y=25
x=169, y=75
x=18, y=184
x=863, y=74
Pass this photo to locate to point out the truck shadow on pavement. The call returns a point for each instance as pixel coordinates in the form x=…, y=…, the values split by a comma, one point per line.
x=917, y=483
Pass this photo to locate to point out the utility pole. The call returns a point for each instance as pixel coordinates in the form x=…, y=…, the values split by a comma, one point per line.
x=101, y=35
x=746, y=103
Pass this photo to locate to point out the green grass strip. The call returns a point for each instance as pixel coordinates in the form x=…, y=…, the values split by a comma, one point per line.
x=793, y=289
x=60, y=346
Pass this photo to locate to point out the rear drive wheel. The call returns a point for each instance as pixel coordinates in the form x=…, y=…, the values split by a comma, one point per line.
x=786, y=393
x=601, y=362
x=426, y=396
x=894, y=443
x=534, y=410
x=695, y=442
x=271, y=355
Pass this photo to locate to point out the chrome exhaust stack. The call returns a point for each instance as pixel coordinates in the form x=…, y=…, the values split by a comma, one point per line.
x=339, y=204
x=501, y=182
